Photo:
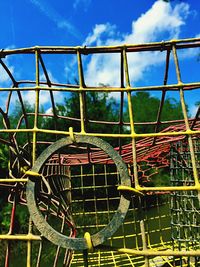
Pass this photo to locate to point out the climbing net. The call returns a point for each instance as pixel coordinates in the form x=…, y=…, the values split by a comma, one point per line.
x=74, y=194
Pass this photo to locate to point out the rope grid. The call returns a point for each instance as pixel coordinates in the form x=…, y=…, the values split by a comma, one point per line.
x=126, y=197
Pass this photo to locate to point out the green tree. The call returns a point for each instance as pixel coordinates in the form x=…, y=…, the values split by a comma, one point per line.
x=145, y=111
x=98, y=107
x=4, y=155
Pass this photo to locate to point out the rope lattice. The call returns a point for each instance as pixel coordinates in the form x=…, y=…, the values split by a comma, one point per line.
x=105, y=190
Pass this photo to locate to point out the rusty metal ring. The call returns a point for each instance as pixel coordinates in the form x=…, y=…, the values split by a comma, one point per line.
x=46, y=230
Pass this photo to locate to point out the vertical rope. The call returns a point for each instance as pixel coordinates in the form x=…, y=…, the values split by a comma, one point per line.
x=184, y=109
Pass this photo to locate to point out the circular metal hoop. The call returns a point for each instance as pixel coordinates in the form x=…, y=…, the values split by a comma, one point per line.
x=46, y=230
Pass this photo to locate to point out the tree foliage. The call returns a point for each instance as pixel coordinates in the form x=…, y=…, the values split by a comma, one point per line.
x=98, y=106
x=145, y=109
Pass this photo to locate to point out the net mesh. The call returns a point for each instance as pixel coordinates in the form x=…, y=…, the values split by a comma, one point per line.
x=77, y=185
x=184, y=204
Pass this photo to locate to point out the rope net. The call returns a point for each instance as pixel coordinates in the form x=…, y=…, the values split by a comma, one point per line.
x=82, y=187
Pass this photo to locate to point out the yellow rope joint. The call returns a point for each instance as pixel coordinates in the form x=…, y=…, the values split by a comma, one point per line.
x=71, y=134
x=31, y=173
x=88, y=240
x=129, y=189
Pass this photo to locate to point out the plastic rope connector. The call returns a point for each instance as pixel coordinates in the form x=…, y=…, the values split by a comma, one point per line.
x=32, y=173
x=88, y=240
x=71, y=134
x=129, y=189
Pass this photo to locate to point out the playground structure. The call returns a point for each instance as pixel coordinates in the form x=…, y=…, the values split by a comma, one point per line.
x=91, y=204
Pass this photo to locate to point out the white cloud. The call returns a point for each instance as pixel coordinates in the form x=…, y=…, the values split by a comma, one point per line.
x=3, y=75
x=161, y=21
x=161, y=18
x=51, y=77
x=28, y=96
x=193, y=110
x=100, y=29
x=49, y=111
x=4, y=78
x=84, y=3
x=55, y=17
x=44, y=97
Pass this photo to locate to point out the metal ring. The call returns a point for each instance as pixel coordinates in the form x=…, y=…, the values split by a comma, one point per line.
x=46, y=230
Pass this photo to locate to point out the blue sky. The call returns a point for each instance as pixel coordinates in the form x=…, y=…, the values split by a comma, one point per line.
x=49, y=22
x=86, y=22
